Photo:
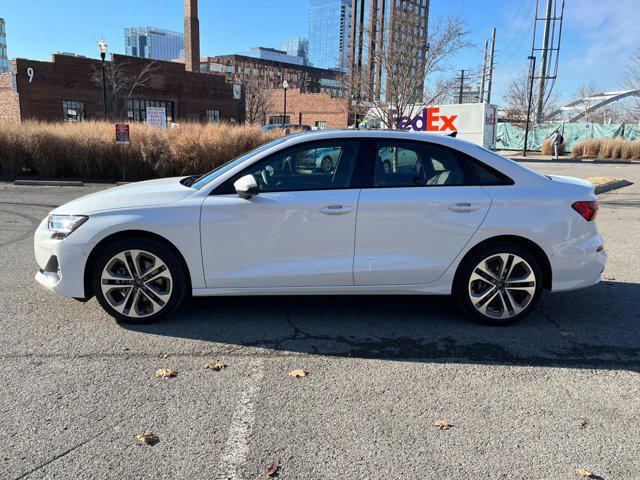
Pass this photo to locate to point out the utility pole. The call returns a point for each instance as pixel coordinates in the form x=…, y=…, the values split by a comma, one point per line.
x=532, y=74
x=543, y=62
x=484, y=71
x=461, y=86
x=493, y=50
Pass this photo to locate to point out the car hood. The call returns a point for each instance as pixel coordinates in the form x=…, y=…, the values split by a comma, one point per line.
x=141, y=194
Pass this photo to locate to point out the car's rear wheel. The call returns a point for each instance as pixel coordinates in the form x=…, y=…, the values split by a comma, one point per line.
x=139, y=281
x=499, y=284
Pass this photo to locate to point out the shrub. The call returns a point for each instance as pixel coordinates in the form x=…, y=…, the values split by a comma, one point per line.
x=87, y=150
x=610, y=148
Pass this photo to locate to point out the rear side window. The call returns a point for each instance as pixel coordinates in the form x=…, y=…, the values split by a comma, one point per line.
x=414, y=164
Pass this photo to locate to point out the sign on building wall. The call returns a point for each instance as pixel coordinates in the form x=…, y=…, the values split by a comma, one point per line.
x=122, y=134
x=237, y=92
x=157, y=117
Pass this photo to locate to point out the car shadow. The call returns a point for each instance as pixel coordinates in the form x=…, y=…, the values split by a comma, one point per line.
x=591, y=328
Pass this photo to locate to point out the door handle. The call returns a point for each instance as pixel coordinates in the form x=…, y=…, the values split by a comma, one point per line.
x=463, y=207
x=336, y=209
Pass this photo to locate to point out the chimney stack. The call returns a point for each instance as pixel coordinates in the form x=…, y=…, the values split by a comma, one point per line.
x=191, y=36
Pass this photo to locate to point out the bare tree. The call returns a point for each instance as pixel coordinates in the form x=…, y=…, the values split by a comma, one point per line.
x=516, y=101
x=631, y=81
x=405, y=70
x=122, y=83
x=257, y=101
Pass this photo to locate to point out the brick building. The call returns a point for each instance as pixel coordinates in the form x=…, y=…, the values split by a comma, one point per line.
x=66, y=89
x=320, y=110
x=242, y=68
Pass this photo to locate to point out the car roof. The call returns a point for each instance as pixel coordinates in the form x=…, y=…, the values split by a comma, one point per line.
x=395, y=134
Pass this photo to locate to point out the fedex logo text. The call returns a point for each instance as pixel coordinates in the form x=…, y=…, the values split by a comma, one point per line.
x=429, y=120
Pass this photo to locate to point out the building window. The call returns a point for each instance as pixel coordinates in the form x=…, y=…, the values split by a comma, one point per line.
x=247, y=70
x=213, y=116
x=230, y=69
x=279, y=120
x=137, y=109
x=73, y=111
x=321, y=125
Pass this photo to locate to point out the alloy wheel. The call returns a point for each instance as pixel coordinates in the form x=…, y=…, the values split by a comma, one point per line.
x=502, y=285
x=326, y=165
x=136, y=283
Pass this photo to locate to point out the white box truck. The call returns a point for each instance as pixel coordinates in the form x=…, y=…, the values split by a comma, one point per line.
x=474, y=122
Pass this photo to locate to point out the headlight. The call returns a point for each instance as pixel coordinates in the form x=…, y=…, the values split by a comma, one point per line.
x=63, y=225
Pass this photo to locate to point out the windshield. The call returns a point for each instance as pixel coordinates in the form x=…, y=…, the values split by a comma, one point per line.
x=225, y=167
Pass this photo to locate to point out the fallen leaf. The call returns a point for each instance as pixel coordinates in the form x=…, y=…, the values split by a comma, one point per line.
x=147, y=438
x=166, y=373
x=272, y=469
x=585, y=473
x=215, y=366
x=442, y=424
x=565, y=333
x=298, y=373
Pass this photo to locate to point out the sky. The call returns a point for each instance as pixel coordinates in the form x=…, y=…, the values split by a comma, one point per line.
x=599, y=36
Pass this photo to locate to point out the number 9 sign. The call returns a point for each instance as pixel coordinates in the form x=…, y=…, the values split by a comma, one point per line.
x=30, y=74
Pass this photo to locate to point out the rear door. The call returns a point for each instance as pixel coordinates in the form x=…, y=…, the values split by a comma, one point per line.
x=422, y=204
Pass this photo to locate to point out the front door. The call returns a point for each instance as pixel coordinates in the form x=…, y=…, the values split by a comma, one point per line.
x=423, y=205
x=297, y=232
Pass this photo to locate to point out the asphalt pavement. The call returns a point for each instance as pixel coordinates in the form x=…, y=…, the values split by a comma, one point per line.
x=558, y=391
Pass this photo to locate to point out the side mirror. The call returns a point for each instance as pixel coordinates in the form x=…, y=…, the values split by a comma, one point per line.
x=246, y=187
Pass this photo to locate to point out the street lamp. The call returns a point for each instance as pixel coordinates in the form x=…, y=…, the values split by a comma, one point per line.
x=285, y=86
x=102, y=48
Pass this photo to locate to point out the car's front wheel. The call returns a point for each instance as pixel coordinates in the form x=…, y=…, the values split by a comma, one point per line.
x=499, y=284
x=138, y=281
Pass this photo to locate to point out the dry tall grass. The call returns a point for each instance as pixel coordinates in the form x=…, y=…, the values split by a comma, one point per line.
x=611, y=148
x=87, y=150
x=547, y=148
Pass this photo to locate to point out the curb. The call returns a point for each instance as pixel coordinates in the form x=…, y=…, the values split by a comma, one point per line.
x=607, y=187
x=50, y=183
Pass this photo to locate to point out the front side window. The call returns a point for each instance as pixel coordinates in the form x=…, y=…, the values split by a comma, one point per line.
x=73, y=111
x=316, y=166
x=415, y=164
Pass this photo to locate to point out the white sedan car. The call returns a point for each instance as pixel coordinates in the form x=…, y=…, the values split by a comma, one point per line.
x=462, y=220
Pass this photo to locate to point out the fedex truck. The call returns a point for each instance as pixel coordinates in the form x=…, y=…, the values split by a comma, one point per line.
x=474, y=122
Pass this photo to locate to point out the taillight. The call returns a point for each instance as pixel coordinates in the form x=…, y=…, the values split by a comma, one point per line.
x=588, y=210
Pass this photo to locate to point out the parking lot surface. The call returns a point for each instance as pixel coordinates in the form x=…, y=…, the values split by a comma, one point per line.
x=558, y=391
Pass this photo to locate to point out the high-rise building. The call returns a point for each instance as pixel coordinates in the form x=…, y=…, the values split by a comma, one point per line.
x=329, y=39
x=151, y=42
x=298, y=47
x=396, y=26
x=5, y=64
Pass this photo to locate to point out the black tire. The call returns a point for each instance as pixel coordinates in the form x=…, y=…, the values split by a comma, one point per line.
x=326, y=161
x=178, y=275
x=463, y=279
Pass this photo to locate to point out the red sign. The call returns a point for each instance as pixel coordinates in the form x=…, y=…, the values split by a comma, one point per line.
x=122, y=134
x=429, y=120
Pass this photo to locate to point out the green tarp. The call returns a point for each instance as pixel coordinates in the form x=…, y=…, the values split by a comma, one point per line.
x=511, y=137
